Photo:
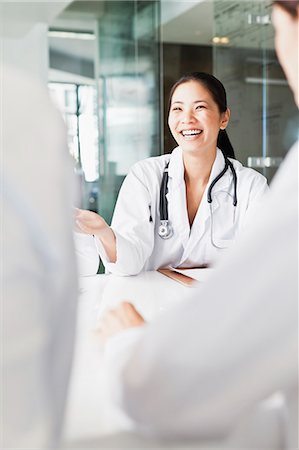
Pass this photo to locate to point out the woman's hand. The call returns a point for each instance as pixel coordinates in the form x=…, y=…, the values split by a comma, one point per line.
x=89, y=222
x=122, y=317
x=92, y=223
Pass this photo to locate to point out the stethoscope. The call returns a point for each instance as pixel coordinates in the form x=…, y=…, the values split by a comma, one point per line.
x=165, y=229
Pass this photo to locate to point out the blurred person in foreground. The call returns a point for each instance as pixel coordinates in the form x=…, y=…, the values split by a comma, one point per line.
x=38, y=277
x=206, y=367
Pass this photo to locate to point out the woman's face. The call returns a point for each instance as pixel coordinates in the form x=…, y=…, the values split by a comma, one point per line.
x=194, y=118
x=286, y=44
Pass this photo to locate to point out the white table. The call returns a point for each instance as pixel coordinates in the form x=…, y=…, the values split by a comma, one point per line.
x=89, y=414
x=91, y=421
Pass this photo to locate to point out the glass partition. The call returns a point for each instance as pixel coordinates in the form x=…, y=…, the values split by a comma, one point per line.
x=110, y=58
x=128, y=74
x=105, y=77
x=264, y=120
x=73, y=87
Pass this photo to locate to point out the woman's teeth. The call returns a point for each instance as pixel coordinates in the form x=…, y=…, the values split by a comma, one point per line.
x=191, y=132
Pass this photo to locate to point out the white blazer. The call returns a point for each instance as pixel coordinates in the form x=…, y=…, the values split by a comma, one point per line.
x=136, y=217
x=38, y=310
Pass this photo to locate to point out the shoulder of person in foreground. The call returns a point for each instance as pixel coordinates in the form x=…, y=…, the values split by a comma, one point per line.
x=40, y=277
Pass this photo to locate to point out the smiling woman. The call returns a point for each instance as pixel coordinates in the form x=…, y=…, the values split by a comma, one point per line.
x=180, y=210
x=212, y=96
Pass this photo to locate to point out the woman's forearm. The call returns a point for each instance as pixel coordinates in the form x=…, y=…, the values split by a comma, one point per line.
x=108, y=240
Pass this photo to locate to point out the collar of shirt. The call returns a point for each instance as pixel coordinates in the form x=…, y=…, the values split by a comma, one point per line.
x=176, y=167
x=176, y=170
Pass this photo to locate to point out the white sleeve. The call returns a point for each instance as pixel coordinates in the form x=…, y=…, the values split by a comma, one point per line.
x=194, y=371
x=86, y=254
x=38, y=310
x=259, y=189
x=132, y=226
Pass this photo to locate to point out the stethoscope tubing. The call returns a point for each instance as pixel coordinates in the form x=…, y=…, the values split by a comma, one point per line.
x=165, y=228
x=163, y=195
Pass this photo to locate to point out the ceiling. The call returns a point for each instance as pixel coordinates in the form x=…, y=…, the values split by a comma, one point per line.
x=193, y=25
x=184, y=22
x=193, y=19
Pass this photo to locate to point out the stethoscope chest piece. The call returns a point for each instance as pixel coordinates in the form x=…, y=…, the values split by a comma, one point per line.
x=165, y=230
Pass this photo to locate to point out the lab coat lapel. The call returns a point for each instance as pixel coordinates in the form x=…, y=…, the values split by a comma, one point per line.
x=202, y=218
x=176, y=197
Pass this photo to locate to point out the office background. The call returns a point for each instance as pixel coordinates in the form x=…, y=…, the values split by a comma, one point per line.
x=110, y=65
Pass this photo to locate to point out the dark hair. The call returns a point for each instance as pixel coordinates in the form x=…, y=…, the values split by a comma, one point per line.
x=216, y=89
x=289, y=5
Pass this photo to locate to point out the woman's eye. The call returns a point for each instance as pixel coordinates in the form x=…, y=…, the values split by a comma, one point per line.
x=176, y=108
x=200, y=107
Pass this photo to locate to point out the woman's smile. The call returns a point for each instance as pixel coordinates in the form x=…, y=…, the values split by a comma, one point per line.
x=191, y=135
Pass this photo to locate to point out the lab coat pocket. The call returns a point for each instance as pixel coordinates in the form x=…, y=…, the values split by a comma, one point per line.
x=223, y=223
x=222, y=243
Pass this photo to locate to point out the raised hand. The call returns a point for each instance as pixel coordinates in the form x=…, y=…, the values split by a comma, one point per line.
x=89, y=222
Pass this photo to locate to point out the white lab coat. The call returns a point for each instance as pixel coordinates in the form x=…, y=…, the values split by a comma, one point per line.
x=38, y=277
x=202, y=370
x=139, y=247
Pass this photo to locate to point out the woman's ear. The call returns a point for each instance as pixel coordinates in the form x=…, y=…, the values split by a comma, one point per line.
x=224, y=119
